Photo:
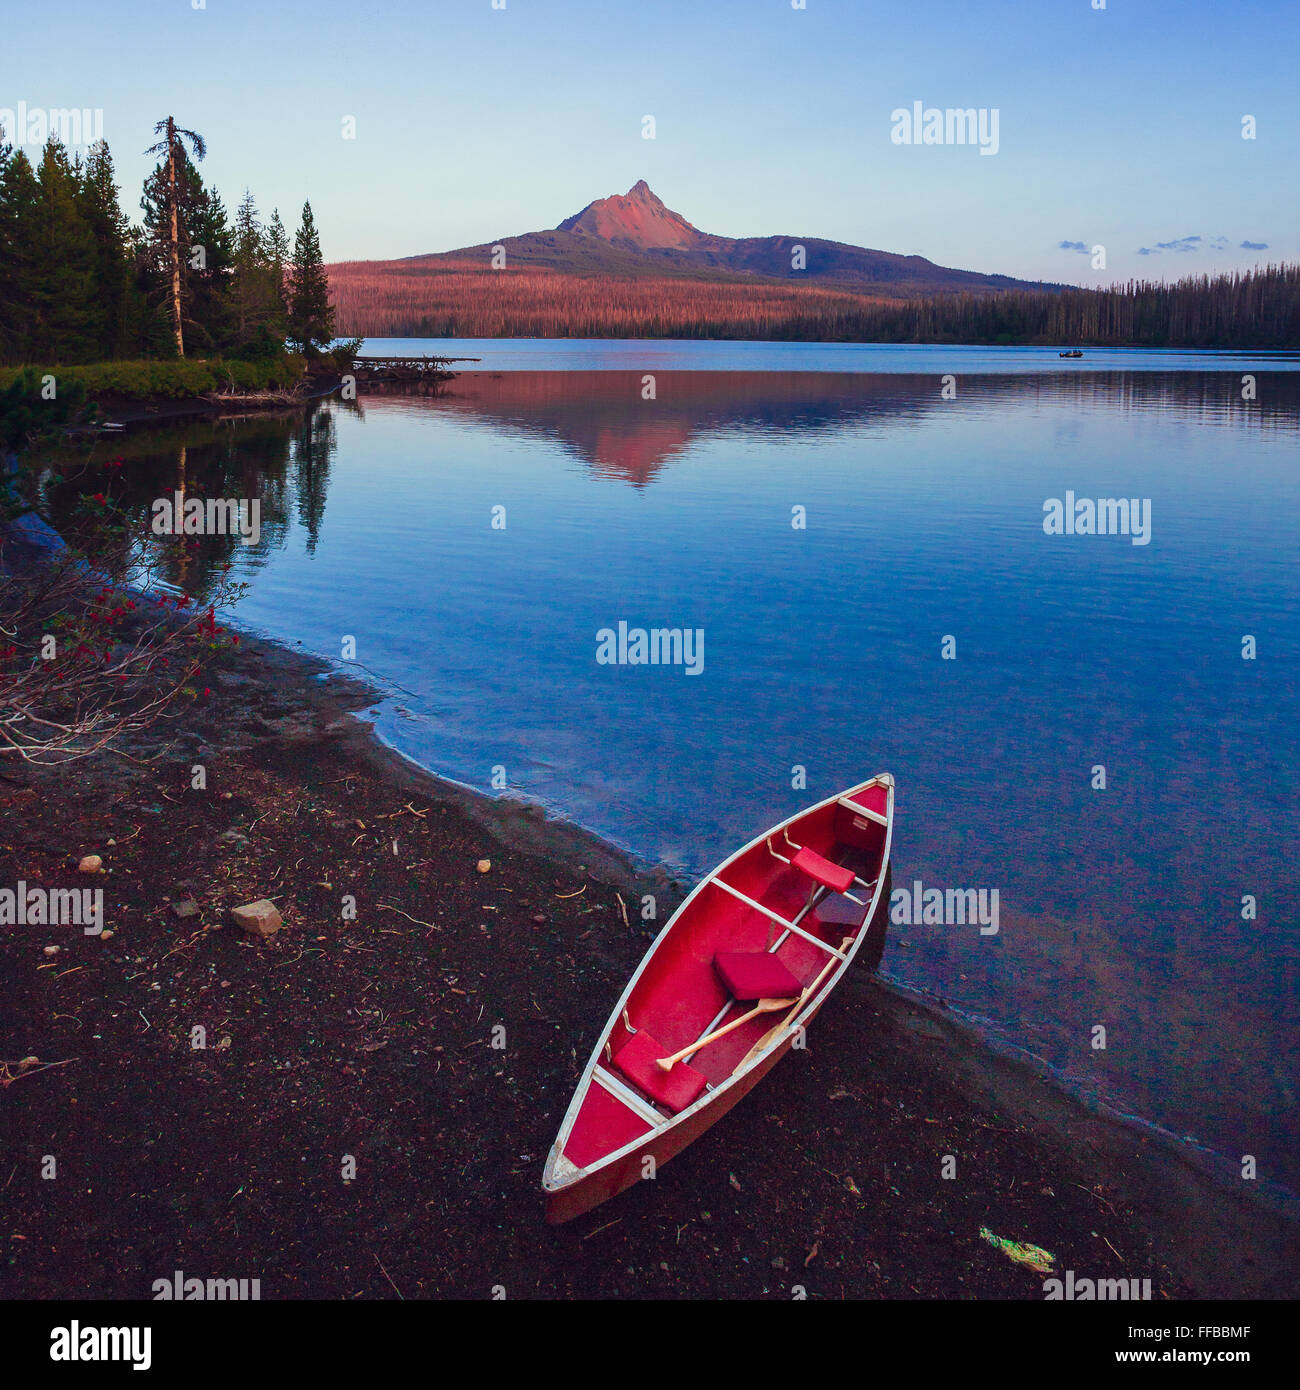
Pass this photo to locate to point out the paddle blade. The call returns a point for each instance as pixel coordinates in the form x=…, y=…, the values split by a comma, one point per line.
x=759, y=1046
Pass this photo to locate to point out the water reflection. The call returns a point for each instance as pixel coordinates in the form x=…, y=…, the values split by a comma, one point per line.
x=605, y=420
x=283, y=461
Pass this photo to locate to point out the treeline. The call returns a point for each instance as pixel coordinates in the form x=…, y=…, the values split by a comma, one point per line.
x=79, y=282
x=1255, y=309
x=458, y=300
x=1252, y=309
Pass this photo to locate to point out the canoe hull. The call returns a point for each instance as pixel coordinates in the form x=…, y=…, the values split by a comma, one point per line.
x=617, y=1177
x=611, y=1137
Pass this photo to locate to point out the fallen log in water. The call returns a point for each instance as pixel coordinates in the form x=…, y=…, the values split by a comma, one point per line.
x=372, y=370
x=255, y=397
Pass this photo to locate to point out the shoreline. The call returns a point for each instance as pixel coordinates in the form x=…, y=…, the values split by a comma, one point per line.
x=525, y=824
x=1008, y=1073
x=924, y=1081
x=529, y=826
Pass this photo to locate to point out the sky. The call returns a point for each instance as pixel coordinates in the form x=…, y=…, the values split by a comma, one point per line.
x=1118, y=127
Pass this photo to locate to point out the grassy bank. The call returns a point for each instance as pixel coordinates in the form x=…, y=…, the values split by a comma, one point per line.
x=167, y=379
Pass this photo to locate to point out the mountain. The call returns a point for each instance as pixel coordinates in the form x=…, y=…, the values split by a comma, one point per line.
x=634, y=233
x=629, y=266
x=638, y=220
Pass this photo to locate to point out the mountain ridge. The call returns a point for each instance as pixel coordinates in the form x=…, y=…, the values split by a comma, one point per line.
x=628, y=266
x=637, y=234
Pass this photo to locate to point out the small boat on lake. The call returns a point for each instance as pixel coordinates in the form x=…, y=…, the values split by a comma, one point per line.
x=1074, y=352
x=743, y=964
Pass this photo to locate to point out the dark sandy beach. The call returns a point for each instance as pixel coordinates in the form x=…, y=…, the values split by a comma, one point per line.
x=373, y=1038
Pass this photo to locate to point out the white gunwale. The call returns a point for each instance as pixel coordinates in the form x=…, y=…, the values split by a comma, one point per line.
x=556, y=1162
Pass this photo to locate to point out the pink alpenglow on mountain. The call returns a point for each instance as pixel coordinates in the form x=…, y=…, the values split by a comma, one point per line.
x=627, y=266
x=637, y=218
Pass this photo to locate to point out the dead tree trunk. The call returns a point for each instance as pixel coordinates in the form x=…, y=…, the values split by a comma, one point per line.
x=174, y=245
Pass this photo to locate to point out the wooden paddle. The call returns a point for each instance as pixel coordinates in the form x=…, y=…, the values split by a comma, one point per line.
x=764, y=1006
x=772, y=1032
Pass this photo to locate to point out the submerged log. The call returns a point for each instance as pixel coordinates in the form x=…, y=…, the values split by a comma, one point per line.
x=372, y=371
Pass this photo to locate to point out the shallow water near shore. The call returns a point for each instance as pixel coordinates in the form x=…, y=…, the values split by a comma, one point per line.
x=823, y=650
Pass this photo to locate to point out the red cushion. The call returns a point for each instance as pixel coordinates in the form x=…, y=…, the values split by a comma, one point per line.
x=755, y=975
x=838, y=880
x=675, y=1089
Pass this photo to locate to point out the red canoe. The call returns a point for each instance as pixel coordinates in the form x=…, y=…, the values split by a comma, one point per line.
x=782, y=919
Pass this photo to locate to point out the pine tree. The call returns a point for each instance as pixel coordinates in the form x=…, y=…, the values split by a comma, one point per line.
x=17, y=197
x=67, y=314
x=249, y=259
x=257, y=291
x=208, y=274
x=311, y=315
x=113, y=254
x=203, y=246
x=173, y=146
x=277, y=250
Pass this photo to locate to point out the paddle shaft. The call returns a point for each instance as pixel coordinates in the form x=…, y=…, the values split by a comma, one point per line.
x=812, y=989
x=764, y=1006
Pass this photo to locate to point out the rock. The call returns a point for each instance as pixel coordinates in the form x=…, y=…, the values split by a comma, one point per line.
x=106, y=933
x=484, y=866
x=51, y=950
x=28, y=1063
x=539, y=918
x=188, y=908
x=236, y=839
x=90, y=864
x=258, y=919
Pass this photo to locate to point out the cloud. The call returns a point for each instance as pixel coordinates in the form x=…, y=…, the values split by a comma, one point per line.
x=1254, y=246
x=1073, y=246
x=1184, y=245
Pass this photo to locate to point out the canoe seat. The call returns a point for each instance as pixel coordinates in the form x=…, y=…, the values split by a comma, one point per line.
x=755, y=975
x=675, y=1089
x=821, y=870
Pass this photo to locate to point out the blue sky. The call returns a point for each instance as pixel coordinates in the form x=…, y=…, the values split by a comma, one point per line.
x=1120, y=127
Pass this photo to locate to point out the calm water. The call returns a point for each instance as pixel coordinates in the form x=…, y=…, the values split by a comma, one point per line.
x=640, y=354
x=822, y=650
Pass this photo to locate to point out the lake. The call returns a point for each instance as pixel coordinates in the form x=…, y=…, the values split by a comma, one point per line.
x=651, y=354
x=865, y=557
